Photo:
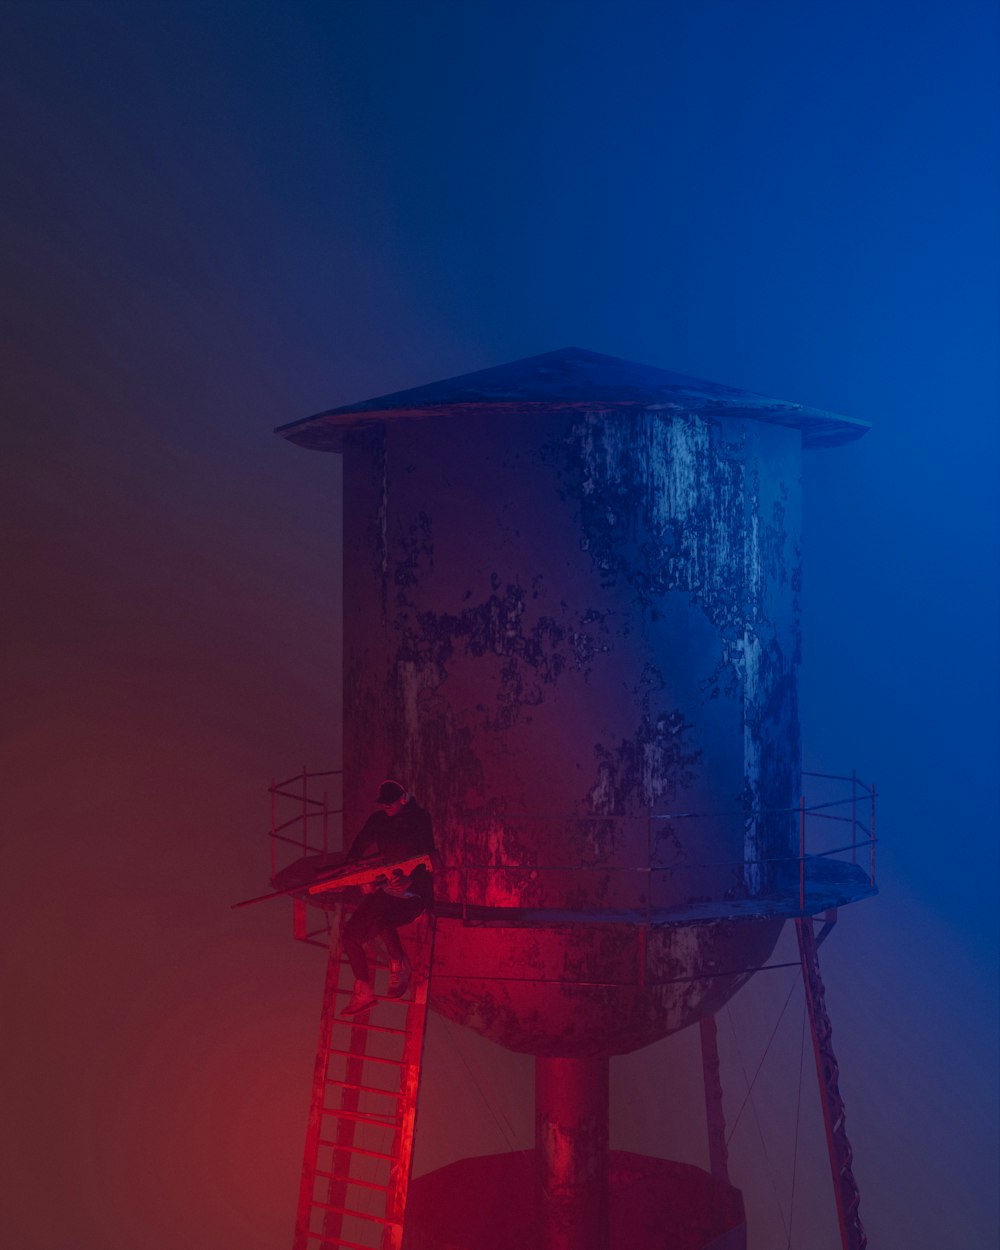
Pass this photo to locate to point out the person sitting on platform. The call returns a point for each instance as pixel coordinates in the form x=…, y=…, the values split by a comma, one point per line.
x=400, y=830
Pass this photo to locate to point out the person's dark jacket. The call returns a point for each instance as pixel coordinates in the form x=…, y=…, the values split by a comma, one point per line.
x=399, y=837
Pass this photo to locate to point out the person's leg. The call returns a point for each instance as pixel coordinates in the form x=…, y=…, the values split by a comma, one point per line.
x=378, y=914
x=366, y=921
x=398, y=911
x=390, y=936
x=393, y=914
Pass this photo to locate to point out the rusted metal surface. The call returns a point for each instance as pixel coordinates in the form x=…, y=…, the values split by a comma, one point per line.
x=571, y=626
x=629, y=886
x=554, y=626
x=578, y=990
x=715, y=1118
x=571, y=1146
x=492, y=1203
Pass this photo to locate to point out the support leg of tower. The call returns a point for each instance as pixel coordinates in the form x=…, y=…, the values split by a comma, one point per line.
x=718, y=1154
x=571, y=1133
x=852, y=1234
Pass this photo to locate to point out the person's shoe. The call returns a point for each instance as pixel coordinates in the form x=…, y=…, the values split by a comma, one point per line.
x=361, y=1000
x=399, y=977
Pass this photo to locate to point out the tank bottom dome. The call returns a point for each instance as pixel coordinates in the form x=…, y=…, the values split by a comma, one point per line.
x=576, y=990
x=492, y=1203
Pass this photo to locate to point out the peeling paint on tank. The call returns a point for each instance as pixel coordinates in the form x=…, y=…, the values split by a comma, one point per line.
x=651, y=767
x=671, y=503
x=575, y=990
x=675, y=488
x=483, y=654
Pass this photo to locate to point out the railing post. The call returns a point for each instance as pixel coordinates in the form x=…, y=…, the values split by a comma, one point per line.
x=802, y=853
x=854, y=815
x=305, y=811
x=274, y=841
x=872, y=836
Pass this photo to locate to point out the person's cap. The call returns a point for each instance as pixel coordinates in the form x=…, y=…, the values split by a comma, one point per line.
x=390, y=792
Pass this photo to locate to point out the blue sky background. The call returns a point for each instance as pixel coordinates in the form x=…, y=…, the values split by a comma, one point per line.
x=222, y=217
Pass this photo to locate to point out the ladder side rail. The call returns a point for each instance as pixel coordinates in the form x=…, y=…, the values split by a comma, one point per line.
x=848, y=1198
x=318, y=1098
x=715, y=1116
x=416, y=1020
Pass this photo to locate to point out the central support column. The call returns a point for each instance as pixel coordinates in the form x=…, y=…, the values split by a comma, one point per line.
x=571, y=1140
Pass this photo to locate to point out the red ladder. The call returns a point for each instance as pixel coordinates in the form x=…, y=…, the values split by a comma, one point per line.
x=359, y=1137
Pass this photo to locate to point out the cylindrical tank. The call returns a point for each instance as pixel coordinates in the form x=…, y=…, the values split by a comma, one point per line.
x=571, y=625
x=578, y=620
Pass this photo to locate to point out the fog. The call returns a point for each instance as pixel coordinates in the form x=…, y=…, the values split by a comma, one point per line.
x=220, y=218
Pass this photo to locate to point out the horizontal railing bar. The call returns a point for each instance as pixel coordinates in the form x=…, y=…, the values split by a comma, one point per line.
x=280, y=837
x=699, y=976
x=837, y=777
x=297, y=798
x=638, y=868
x=332, y=772
x=294, y=820
x=850, y=846
x=752, y=814
x=324, y=811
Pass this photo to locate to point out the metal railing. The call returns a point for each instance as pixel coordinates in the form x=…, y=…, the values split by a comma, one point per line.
x=302, y=816
x=860, y=791
x=307, y=809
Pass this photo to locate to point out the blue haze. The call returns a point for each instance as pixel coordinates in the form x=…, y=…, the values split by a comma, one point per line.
x=222, y=217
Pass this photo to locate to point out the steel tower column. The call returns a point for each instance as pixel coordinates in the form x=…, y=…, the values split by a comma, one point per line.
x=571, y=1135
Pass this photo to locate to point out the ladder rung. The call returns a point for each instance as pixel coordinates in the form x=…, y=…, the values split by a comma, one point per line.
x=364, y=1089
x=340, y=1243
x=385, y=1121
x=357, y=1150
x=352, y=1180
x=395, y=1123
x=372, y=1028
x=396, y=1063
x=373, y=961
x=361, y=1215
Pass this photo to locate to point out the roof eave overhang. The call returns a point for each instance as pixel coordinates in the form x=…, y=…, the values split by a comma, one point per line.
x=326, y=431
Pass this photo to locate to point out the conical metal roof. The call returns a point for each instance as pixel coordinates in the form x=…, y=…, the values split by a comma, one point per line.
x=573, y=379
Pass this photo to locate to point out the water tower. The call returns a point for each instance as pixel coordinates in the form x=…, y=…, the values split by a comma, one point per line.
x=571, y=623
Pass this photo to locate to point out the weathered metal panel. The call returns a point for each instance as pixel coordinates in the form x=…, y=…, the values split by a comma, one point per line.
x=577, y=990
x=557, y=626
